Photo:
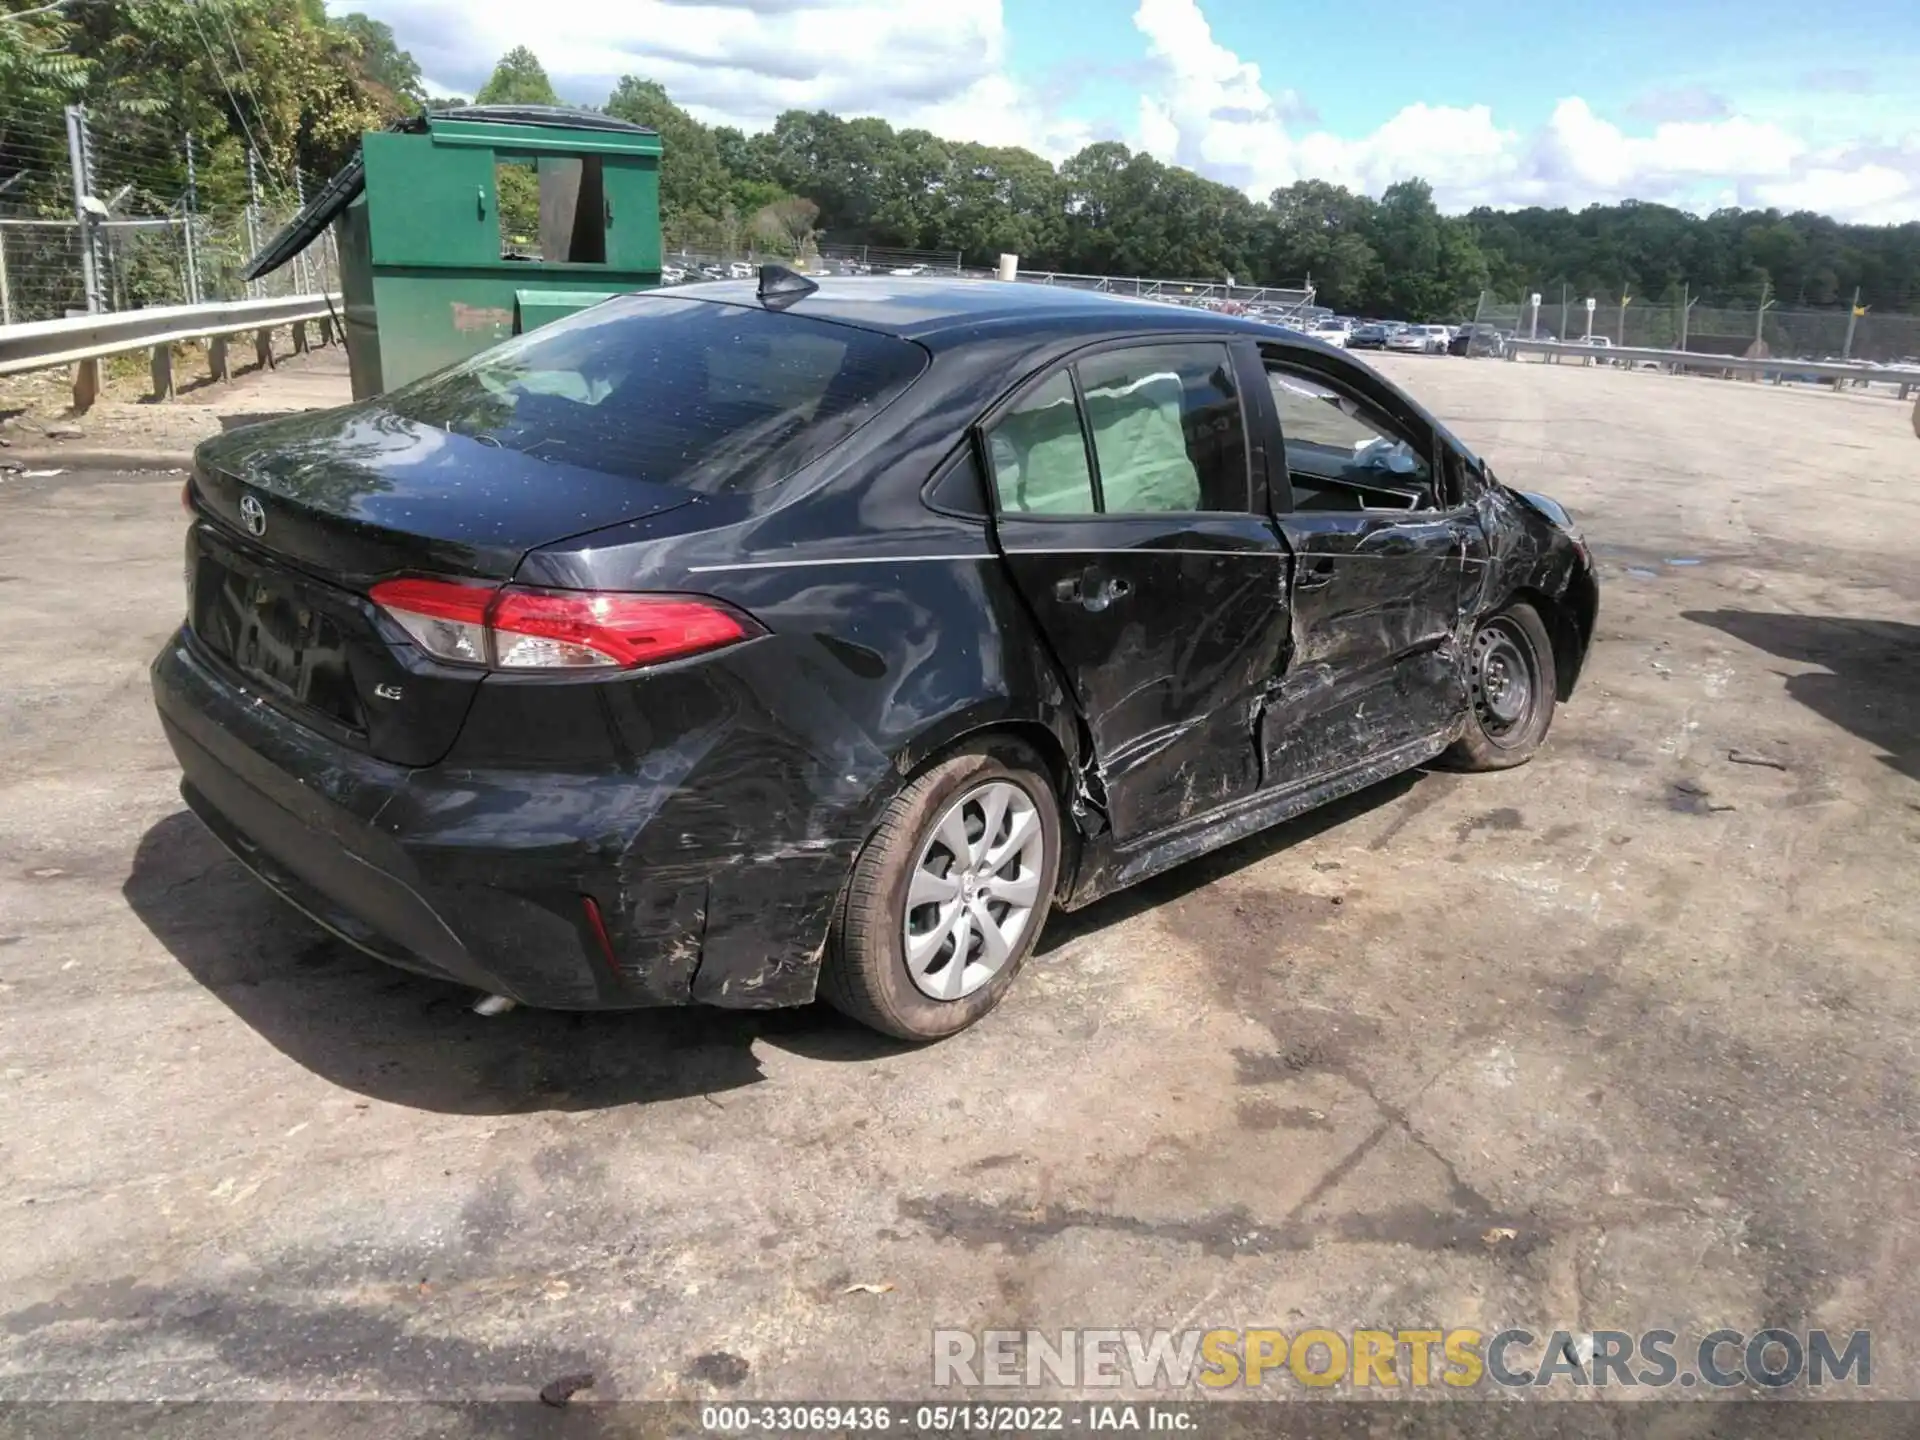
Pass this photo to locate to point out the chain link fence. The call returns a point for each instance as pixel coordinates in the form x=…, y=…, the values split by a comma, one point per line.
x=134, y=232
x=1682, y=323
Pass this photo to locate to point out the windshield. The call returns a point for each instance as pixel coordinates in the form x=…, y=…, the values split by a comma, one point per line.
x=712, y=397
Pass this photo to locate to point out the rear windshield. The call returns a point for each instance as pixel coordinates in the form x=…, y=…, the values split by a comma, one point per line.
x=715, y=398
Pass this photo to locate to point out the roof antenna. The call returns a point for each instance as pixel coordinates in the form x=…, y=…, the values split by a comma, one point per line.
x=780, y=287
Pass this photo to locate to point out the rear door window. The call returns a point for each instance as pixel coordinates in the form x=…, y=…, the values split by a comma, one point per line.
x=716, y=398
x=1167, y=430
x=1164, y=426
x=1039, y=455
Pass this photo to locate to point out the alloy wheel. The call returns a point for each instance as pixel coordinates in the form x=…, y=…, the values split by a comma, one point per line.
x=973, y=889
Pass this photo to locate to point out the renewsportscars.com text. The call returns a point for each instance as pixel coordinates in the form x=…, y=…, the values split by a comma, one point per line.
x=1388, y=1360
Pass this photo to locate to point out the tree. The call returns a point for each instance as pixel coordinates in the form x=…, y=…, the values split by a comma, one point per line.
x=786, y=226
x=38, y=75
x=519, y=79
x=694, y=183
x=280, y=80
x=383, y=64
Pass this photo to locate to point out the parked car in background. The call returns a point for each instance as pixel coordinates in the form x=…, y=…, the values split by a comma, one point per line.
x=1371, y=336
x=1478, y=339
x=909, y=270
x=672, y=275
x=1332, y=331
x=1419, y=340
x=739, y=270
x=716, y=645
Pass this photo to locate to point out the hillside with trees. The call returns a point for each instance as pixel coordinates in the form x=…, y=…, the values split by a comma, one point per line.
x=298, y=86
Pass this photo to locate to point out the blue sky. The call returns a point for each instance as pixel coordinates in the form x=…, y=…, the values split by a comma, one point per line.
x=1356, y=63
x=1493, y=101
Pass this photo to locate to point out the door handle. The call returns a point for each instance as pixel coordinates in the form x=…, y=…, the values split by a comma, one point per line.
x=1091, y=591
x=1320, y=576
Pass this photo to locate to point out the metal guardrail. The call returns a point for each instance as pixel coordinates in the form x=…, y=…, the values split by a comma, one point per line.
x=1773, y=368
x=84, y=340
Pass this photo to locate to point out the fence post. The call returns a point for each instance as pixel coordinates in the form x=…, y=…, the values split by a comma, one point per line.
x=162, y=372
x=252, y=220
x=86, y=385
x=301, y=265
x=1686, y=311
x=263, y=348
x=1853, y=318
x=86, y=374
x=6, y=295
x=79, y=163
x=192, y=205
x=217, y=363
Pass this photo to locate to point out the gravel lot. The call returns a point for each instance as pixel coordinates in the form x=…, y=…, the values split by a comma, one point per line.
x=1625, y=1038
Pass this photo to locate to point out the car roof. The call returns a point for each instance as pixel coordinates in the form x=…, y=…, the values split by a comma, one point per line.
x=937, y=311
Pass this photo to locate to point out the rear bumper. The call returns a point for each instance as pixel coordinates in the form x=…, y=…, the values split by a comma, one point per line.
x=482, y=877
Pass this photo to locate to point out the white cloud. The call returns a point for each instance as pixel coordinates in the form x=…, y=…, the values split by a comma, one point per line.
x=942, y=65
x=1875, y=192
x=1209, y=109
x=933, y=63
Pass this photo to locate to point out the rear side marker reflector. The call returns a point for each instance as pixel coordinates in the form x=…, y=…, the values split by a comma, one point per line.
x=599, y=927
x=521, y=629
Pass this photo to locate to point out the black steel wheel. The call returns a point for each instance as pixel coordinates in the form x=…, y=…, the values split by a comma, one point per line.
x=1511, y=689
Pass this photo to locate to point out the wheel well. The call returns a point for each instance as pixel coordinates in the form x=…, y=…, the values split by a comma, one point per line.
x=1038, y=737
x=1564, y=630
x=1041, y=739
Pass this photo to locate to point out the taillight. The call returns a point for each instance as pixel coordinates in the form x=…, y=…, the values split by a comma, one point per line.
x=516, y=628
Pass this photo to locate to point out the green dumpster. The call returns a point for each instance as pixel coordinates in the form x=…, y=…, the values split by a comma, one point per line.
x=459, y=228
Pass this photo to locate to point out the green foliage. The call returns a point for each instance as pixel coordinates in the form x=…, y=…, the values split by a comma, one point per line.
x=275, y=75
x=383, y=63
x=1651, y=251
x=694, y=183
x=519, y=79
x=786, y=225
x=1108, y=210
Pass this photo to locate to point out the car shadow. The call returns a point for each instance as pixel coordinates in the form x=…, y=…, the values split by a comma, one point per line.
x=414, y=1041
x=1871, y=683
x=1064, y=929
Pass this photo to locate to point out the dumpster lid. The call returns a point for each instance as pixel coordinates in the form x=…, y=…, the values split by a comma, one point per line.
x=557, y=117
x=306, y=227
x=341, y=190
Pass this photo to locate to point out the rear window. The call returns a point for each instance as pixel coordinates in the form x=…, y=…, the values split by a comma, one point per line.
x=715, y=398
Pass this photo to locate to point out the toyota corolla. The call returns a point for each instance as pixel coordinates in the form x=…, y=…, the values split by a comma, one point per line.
x=730, y=644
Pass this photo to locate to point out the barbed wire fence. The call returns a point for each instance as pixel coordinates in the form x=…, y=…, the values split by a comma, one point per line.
x=133, y=232
x=1679, y=321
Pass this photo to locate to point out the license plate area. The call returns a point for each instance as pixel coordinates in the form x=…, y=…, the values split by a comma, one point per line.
x=277, y=629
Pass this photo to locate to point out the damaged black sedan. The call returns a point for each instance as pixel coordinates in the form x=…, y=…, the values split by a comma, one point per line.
x=732, y=644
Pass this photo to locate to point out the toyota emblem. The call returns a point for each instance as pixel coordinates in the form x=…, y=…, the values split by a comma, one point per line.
x=253, y=515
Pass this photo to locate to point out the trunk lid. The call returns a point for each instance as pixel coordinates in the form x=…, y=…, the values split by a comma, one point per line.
x=355, y=495
x=298, y=519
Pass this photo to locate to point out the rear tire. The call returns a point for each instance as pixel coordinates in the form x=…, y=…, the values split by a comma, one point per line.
x=929, y=939
x=1511, y=689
